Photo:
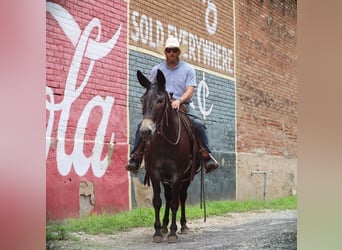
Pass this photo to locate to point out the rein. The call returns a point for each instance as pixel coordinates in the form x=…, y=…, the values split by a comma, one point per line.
x=168, y=182
x=160, y=130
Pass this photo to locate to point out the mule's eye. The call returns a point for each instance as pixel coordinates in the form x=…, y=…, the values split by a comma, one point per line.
x=160, y=99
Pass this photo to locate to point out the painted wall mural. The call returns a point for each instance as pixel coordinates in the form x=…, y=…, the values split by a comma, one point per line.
x=93, y=51
x=86, y=141
x=207, y=27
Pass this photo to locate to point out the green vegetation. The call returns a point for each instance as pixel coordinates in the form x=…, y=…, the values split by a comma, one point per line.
x=144, y=217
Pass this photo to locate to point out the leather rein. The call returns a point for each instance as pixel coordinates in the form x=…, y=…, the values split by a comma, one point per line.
x=165, y=118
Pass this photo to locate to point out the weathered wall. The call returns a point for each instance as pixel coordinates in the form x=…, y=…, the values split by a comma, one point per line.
x=243, y=52
x=266, y=95
x=207, y=28
x=86, y=107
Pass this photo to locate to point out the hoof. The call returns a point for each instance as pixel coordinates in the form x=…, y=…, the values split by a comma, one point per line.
x=157, y=239
x=172, y=239
x=185, y=230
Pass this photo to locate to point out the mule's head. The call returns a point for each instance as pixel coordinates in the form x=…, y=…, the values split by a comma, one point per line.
x=153, y=102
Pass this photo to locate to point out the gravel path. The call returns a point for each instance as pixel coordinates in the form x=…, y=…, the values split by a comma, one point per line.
x=252, y=230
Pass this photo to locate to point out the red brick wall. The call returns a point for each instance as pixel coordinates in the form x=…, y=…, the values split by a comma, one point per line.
x=202, y=25
x=86, y=107
x=266, y=98
x=266, y=77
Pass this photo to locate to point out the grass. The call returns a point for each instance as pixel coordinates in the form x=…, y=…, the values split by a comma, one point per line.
x=144, y=217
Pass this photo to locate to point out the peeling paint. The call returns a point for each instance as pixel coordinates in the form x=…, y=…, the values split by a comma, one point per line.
x=87, y=197
x=53, y=143
x=110, y=153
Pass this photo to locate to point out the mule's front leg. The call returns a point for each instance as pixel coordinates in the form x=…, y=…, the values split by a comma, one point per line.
x=172, y=238
x=183, y=196
x=157, y=237
x=167, y=192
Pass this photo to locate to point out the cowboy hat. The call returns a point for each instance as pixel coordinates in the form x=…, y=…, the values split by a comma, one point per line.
x=172, y=42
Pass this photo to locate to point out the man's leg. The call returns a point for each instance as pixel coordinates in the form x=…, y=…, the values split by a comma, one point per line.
x=201, y=133
x=137, y=153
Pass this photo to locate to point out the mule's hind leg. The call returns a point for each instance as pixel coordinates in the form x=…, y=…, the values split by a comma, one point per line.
x=183, y=196
x=157, y=237
x=167, y=192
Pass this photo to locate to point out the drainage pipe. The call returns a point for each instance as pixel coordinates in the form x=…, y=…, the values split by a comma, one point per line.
x=265, y=180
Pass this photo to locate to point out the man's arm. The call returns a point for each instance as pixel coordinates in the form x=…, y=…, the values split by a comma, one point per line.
x=189, y=91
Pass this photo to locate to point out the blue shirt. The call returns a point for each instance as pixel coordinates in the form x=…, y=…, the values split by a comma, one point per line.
x=177, y=79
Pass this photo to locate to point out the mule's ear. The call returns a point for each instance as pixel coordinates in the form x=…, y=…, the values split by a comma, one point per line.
x=161, y=80
x=143, y=80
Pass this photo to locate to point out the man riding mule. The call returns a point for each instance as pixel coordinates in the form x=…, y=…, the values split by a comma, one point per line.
x=181, y=81
x=170, y=154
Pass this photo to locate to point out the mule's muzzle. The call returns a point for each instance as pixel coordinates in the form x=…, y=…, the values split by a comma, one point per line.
x=147, y=129
x=146, y=134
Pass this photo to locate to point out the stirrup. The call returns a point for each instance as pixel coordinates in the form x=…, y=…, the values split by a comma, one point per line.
x=133, y=164
x=210, y=164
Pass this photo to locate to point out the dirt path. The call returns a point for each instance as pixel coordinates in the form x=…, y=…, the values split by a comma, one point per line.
x=261, y=230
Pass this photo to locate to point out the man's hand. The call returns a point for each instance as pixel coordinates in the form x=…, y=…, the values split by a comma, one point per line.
x=176, y=104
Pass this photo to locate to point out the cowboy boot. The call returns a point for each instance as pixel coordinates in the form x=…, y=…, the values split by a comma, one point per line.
x=134, y=162
x=210, y=164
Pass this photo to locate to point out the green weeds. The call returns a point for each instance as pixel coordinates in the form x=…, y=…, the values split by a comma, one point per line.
x=144, y=217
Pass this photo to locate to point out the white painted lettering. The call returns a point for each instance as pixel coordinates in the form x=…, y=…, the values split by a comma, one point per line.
x=135, y=36
x=202, y=93
x=93, y=50
x=144, y=29
x=152, y=44
x=159, y=33
x=201, y=51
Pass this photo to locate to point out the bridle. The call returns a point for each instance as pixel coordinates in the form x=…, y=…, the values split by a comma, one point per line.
x=165, y=119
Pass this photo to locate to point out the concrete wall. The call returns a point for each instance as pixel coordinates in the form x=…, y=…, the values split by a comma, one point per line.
x=280, y=174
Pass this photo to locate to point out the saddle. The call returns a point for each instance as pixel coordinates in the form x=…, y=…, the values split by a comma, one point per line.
x=196, y=145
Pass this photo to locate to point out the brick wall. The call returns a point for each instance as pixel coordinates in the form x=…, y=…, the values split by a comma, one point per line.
x=220, y=126
x=245, y=70
x=266, y=72
x=203, y=25
x=86, y=109
x=207, y=28
x=266, y=95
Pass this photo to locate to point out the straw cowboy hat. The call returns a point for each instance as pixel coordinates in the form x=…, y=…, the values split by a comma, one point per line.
x=172, y=42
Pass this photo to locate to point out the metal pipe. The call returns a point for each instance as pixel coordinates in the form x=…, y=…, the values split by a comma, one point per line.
x=265, y=180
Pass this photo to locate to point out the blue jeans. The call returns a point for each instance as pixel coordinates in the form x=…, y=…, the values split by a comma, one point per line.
x=196, y=121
